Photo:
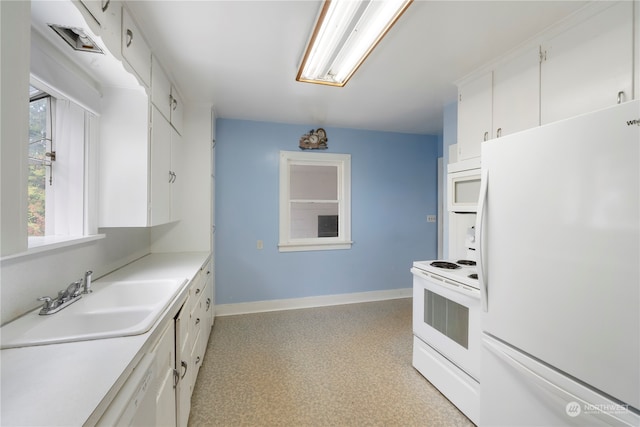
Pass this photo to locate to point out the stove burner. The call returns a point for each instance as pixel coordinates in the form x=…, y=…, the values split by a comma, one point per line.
x=466, y=262
x=473, y=276
x=444, y=264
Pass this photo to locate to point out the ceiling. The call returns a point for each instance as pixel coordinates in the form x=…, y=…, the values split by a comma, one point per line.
x=242, y=57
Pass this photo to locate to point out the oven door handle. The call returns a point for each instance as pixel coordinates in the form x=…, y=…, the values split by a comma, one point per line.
x=482, y=201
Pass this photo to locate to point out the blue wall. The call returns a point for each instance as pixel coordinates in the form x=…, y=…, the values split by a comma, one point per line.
x=393, y=186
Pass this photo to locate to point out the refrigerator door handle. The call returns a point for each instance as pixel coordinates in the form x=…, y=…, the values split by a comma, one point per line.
x=484, y=186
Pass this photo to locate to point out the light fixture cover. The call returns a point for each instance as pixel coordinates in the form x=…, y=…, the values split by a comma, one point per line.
x=344, y=35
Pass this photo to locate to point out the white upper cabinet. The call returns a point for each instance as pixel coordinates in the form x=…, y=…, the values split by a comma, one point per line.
x=108, y=16
x=474, y=115
x=161, y=177
x=581, y=66
x=124, y=158
x=143, y=159
x=135, y=49
x=177, y=110
x=165, y=97
x=177, y=187
x=589, y=66
x=160, y=89
x=516, y=94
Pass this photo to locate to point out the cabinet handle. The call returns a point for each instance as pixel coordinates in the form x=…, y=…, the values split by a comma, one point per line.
x=129, y=37
x=197, y=291
x=176, y=378
x=208, y=303
x=197, y=360
x=486, y=136
x=620, y=96
x=105, y=5
x=197, y=320
x=174, y=103
x=499, y=133
x=185, y=366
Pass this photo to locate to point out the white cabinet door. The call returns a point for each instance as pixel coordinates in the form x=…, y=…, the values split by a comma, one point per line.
x=165, y=362
x=124, y=159
x=516, y=94
x=474, y=115
x=135, y=49
x=183, y=359
x=177, y=110
x=177, y=154
x=160, y=89
x=108, y=15
x=587, y=66
x=210, y=292
x=161, y=177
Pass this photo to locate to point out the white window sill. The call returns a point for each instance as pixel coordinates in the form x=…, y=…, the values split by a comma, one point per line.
x=329, y=246
x=39, y=245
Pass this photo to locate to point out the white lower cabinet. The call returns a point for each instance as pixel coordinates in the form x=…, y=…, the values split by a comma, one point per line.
x=193, y=327
x=165, y=363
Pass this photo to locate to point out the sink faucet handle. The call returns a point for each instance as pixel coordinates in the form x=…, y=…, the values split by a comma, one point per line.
x=72, y=291
x=47, y=302
x=87, y=282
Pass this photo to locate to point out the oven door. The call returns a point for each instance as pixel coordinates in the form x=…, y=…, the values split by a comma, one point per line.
x=447, y=317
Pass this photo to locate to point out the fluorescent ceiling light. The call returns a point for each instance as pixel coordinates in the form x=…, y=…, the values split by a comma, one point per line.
x=345, y=34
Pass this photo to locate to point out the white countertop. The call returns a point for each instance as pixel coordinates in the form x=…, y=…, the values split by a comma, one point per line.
x=71, y=384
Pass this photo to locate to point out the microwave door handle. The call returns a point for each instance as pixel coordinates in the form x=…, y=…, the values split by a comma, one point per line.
x=482, y=279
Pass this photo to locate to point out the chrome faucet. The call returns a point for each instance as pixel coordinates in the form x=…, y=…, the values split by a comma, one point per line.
x=67, y=296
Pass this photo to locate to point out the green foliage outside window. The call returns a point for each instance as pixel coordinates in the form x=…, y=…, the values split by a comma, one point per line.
x=38, y=141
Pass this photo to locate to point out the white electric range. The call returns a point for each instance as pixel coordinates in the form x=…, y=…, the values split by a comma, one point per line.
x=447, y=332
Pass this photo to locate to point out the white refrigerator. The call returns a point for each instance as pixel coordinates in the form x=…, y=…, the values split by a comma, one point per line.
x=558, y=234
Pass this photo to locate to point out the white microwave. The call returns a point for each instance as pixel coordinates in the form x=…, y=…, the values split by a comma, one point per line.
x=463, y=190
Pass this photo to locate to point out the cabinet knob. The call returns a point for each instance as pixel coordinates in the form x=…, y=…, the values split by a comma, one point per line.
x=129, y=37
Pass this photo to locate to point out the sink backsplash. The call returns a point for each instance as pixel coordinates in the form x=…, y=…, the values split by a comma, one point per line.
x=25, y=278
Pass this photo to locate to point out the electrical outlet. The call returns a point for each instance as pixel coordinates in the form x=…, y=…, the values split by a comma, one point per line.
x=431, y=218
x=259, y=244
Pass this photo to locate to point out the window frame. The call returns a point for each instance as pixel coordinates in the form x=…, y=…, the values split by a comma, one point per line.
x=86, y=229
x=343, y=164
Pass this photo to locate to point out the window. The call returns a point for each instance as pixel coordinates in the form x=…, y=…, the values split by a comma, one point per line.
x=59, y=133
x=315, y=201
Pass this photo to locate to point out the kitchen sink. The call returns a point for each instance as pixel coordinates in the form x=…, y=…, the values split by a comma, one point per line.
x=113, y=309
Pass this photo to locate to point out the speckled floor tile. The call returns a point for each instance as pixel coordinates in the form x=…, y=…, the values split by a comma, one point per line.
x=347, y=365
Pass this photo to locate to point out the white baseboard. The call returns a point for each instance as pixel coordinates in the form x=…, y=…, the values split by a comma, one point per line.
x=308, y=302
